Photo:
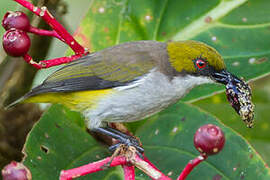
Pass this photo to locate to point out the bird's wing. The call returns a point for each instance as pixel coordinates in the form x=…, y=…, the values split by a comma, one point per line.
x=109, y=68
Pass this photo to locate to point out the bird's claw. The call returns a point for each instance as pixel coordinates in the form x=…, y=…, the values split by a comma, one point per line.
x=124, y=144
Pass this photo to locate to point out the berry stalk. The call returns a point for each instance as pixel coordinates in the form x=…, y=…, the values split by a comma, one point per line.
x=43, y=32
x=189, y=167
x=52, y=62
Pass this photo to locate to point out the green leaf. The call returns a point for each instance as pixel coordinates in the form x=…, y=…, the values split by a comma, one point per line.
x=59, y=141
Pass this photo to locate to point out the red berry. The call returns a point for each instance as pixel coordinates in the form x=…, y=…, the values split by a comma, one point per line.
x=17, y=20
x=209, y=139
x=16, y=171
x=16, y=42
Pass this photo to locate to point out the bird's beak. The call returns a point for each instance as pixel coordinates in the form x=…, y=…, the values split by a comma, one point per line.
x=238, y=94
x=225, y=77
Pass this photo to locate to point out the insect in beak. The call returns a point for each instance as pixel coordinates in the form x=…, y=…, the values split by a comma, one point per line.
x=238, y=94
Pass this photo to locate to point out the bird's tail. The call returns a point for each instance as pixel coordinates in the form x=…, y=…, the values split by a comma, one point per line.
x=20, y=100
x=14, y=103
x=74, y=100
x=38, y=94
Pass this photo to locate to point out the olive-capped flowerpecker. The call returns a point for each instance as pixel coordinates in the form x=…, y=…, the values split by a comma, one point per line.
x=131, y=81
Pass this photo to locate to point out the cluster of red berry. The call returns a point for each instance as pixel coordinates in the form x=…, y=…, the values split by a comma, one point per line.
x=16, y=42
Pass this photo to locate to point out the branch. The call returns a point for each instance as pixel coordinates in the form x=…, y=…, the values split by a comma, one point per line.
x=129, y=172
x=118, y=160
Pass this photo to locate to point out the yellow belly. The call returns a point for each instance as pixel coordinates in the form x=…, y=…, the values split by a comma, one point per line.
x=77, y=101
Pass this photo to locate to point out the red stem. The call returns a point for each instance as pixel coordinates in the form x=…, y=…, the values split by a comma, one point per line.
x=56, y=26
x=191, y=164
x=43, y=32
x=118, y=160
x=91, y=168
x=52, y=62
x=129, y=172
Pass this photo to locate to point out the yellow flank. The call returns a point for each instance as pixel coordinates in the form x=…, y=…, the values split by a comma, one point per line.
x=77, y=101
x=182, y=53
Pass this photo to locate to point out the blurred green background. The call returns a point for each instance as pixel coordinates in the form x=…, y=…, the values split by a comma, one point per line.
x=70, y=12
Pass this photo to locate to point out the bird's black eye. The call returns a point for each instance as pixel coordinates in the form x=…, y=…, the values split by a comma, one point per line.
x=200, y=63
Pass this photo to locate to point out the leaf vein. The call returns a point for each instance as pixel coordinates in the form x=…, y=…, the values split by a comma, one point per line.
x=199, y=25
x=233, y=26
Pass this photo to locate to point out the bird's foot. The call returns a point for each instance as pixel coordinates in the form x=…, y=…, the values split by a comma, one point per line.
x=128, y=151
x=125, y=141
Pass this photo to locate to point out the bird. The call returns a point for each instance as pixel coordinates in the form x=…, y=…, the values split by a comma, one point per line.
x=130, y=82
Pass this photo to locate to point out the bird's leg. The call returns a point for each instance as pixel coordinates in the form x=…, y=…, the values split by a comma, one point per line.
x=122, y=138
x=116, y=152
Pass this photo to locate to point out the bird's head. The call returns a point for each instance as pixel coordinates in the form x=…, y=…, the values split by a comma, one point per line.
x=198, y=59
